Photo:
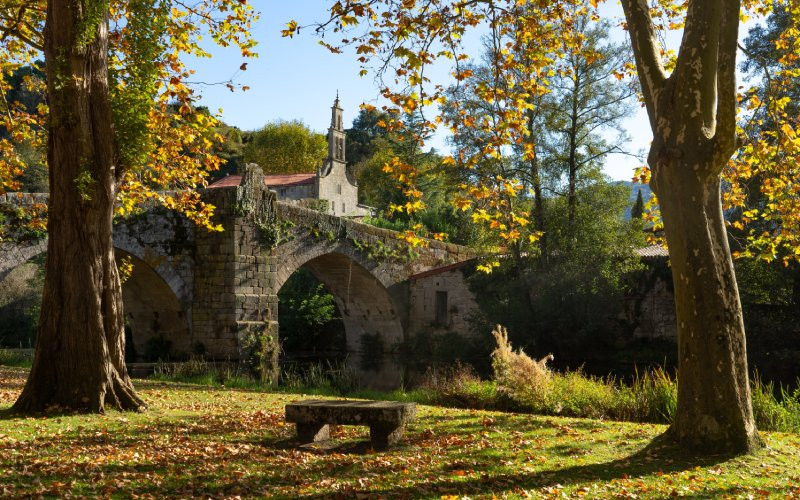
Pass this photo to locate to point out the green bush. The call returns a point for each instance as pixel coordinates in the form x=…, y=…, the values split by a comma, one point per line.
x=458, y=385
x=576, y=395
x=522, y=384
x=772, y=413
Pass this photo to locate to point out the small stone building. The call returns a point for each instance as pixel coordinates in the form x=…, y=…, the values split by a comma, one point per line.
x=440, y=301
x=650, y=305
x=331, y=183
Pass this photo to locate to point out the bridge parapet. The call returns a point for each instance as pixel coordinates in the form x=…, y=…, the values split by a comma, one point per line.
x=375, y=243
x=24, y=199
x=19, y=246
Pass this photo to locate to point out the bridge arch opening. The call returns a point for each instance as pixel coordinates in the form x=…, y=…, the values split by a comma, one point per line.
x=369, y=319
x=156, y=324
x=20, y=303
x=310, y=323
x=366, y=307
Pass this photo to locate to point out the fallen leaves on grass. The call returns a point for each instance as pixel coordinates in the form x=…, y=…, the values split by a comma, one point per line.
x=201, y=441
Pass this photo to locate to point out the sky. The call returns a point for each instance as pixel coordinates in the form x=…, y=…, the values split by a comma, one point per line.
x=298, y=79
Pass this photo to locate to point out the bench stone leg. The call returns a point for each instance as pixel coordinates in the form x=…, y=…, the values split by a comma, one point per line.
x=383, y=437
x=311, y=433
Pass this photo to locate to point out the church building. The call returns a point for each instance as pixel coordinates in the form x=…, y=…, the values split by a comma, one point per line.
x=331, y=182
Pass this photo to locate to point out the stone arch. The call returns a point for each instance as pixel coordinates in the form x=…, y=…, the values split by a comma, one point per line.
x=361, y=295
x=166, y=309
x=14, y=254
x=160, y=264
x=154, y=311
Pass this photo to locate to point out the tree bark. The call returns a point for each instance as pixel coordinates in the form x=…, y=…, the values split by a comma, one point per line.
x=714, y=405
x=79, y=364
x=572, y=161
x=536, y=182
x=693, y=116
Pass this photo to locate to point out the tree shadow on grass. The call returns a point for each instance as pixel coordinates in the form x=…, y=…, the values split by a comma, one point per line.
x=660, y=455
x=193, y=458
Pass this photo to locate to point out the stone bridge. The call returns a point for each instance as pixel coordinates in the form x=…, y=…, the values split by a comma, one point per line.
x=216, y=292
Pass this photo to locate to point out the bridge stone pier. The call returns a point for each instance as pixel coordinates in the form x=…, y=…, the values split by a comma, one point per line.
x=217, y=292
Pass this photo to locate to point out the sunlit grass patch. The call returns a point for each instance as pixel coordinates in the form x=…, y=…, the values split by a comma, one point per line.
x=200, y=440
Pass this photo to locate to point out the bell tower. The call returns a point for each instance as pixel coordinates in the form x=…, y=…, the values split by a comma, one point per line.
x=334, y=183
x=336, y=135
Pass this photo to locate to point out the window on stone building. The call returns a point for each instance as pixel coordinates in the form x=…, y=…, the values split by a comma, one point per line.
x=283, y=192
x=441, y=308
x=338, y=189
x=343, y=208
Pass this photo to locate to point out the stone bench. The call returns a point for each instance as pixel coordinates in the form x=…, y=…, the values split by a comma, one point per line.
x=386, y=419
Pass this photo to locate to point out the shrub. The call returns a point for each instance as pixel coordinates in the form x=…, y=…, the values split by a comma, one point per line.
x=458, y=385
x=329, y=377
x=516, y=374
x=577, y=395
x=198, y=370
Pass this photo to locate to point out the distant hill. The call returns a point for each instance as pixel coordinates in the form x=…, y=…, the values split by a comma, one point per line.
x=635, y=187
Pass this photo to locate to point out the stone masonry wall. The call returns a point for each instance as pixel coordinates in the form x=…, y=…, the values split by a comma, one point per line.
x=14, y=253
x=422, y=303
x=376, y=244
x=235, y=307
x=227, y=282
x=342, y=194
x=650, y=308
x=301, y=192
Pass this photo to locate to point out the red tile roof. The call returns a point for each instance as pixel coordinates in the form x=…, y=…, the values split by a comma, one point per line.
x=227, y=181
x=439, y=270
x=285, y=180
x=277, y=180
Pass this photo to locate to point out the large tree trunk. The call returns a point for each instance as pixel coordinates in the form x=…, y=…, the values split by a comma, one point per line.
x=692, y=114
x=714, y=411
x=79, y=362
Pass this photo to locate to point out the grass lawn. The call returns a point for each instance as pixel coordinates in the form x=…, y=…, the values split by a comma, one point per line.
x=197, y=440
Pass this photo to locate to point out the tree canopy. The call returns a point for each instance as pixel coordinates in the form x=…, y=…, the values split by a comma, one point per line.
x=286, y=147
x=165, y=145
